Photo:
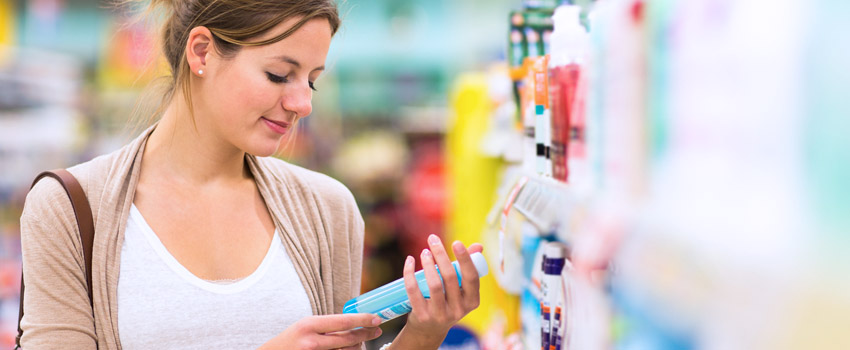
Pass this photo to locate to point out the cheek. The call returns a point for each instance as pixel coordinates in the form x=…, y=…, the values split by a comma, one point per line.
x=247, y=96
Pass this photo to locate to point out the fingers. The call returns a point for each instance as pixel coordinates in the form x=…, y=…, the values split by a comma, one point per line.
x=475, y=248
x=343, y=322
x=469, y=274
x=348, y=339
x=450, y=278
x=417, y=301
x=437, y=304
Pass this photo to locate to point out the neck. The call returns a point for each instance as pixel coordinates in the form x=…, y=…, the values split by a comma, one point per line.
x=194, y=153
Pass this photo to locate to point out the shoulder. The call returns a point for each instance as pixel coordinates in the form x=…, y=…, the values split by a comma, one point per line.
x=88, y=174
x=47, y=198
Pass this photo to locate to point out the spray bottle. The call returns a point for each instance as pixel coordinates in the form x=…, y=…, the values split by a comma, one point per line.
x=390, y=300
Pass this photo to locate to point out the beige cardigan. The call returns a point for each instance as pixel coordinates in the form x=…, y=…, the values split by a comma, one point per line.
x=316, y=216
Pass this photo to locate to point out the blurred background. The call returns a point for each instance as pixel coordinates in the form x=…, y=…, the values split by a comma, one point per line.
x=698, y=178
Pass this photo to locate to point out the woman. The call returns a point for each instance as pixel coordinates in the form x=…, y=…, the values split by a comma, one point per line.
x=202, y=241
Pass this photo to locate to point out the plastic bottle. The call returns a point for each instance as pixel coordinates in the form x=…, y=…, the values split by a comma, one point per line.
x=542, y=118
x=529, y=159
x=570, y=47
x=390, y=300
x=557, y=323
x=553, y=263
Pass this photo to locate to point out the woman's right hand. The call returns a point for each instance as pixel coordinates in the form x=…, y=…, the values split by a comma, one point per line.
x=327, y=332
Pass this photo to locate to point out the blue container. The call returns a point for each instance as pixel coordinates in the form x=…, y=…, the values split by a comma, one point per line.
x=390, y=300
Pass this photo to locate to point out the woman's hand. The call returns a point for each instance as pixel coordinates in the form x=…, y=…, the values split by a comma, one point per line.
x=432, y=318
x=327, y=332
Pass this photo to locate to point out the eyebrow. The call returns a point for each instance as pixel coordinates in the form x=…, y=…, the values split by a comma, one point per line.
x=295, y=63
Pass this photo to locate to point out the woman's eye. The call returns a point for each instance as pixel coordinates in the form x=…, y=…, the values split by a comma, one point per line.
x=280, y=80
x=275, y=78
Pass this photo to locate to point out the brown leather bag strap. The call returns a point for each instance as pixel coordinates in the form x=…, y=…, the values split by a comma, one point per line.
x=85, y=224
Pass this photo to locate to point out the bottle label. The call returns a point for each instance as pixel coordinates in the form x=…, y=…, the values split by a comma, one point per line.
x=544, y=327
x=395, y=310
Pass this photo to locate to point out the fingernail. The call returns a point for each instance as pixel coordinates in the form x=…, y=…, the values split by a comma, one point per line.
x=376, y=321
x=433, y=239
x=426, y=253
x=457, y=246
x=408, y=261
x=378, y=332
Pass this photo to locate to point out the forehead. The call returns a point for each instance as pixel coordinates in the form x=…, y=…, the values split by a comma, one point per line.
x=309, y=42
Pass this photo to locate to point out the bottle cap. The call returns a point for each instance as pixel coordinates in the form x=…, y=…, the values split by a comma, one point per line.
x=570, y=39
x=554, y=261
x=480, y=264
x=554, y=251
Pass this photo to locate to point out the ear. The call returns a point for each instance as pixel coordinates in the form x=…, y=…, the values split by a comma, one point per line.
x=198, y=49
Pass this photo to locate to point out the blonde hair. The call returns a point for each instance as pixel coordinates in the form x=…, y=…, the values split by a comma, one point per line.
x=233, y=24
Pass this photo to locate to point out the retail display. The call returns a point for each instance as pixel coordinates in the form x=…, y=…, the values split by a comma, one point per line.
x=683, y=175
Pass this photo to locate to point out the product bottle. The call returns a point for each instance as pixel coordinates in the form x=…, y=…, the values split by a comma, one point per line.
x=532, y=38
x=390, y=300
x=553, y=263
x=557, y=323
x=541, y=112
x=527, y=106
x=570, y=46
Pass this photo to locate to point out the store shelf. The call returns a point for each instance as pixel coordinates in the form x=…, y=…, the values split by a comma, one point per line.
x=544, y=201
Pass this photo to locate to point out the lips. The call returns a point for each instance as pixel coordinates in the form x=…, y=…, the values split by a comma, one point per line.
x=277, y=126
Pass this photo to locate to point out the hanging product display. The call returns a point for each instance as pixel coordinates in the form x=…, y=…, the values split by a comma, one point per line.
x=663, y=125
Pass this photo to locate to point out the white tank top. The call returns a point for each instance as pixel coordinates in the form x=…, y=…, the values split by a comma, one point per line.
x=161, y=305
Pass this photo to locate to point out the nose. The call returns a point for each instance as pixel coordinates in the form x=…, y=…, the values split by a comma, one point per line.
x=298, y=100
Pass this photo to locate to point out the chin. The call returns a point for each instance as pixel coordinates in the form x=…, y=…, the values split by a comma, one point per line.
x=264, y=152
x=262, y=149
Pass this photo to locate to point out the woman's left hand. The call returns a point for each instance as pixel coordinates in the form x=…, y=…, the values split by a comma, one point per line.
x=434, y=316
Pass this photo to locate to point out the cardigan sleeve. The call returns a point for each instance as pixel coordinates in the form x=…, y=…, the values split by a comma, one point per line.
x=357, y=235
x=57, y=313
x=348, y=257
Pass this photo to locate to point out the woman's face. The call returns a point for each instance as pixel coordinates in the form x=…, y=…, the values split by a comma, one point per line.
x=251, y=100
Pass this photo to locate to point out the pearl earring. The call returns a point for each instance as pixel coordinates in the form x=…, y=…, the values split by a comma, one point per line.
x=200, y=72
